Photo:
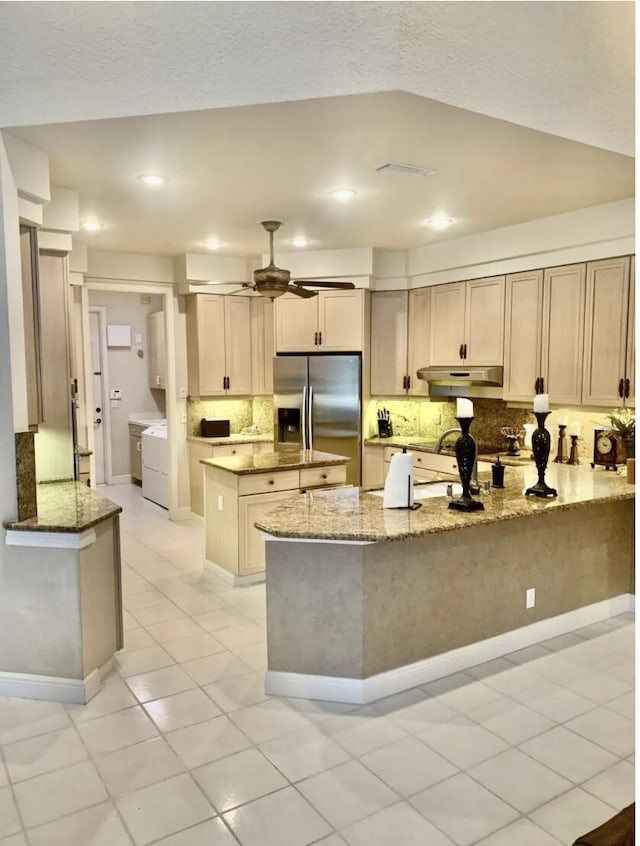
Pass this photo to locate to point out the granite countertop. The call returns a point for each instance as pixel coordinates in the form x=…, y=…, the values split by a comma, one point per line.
x=351, y=514
x=266, y=438
x=268, y=462
x=66, y=507
x=417, y=444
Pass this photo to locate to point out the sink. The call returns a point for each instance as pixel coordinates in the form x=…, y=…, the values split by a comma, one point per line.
x=429, y=490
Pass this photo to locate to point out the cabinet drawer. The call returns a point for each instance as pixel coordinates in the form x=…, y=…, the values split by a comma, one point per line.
x=231, y=449
x=262, y=447
x=136, y=430
x=267, y=482
x=313, y=477
x=389, y=452
x=439, y=463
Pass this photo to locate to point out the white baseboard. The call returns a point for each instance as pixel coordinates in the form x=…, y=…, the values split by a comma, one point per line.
x=230, y=578
x=53, y=688
x=362, y=691
x=182, y=513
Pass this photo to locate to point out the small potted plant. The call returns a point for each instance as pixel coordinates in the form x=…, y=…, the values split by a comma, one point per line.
x=623, y=424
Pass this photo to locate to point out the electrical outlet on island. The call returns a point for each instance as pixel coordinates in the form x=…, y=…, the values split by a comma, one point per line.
x=530, y=598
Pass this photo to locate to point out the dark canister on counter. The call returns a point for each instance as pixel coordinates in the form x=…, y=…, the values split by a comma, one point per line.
x=497, y=473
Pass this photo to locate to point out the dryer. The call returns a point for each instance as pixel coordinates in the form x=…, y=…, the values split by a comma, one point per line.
x=155, y=465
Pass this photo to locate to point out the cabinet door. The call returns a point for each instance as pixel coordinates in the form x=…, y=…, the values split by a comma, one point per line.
x=373, y=469
x=341, y=321
x=205, y=344
x=418, y=349
x=135, y=456
x=251, y=554
x=484, y=321
x=605, y=331
x=237, y=333
x=296, y=324
x=563, y=333
x=389, y=343
x=446, y=324
x=522, y=335
x=156, y=350
x=631, y=336
x=262, y=345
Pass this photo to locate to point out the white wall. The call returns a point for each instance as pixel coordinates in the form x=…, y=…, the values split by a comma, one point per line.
x=126, y=370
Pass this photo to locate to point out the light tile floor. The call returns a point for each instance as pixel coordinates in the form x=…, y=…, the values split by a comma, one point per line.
x=182, y=748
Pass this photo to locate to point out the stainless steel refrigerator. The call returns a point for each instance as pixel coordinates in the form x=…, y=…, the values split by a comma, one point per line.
x=316, y=405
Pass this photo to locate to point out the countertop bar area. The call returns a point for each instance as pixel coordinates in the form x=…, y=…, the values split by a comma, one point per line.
x=363, y=602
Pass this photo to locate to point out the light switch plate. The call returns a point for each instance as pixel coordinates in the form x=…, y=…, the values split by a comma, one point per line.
x=530, y=600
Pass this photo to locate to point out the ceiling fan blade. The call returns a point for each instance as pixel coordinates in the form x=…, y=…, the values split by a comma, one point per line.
x=319, y=283
x=299, y=291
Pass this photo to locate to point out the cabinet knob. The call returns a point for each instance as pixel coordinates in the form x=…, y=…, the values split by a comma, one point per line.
x=233, y=452
x=323, y=476
x=270, y=481
x=620, y=387
x=627, y=388
x=460, y=351
x=319, y=339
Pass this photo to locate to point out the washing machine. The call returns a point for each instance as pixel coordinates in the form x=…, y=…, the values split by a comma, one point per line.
x=155, y=465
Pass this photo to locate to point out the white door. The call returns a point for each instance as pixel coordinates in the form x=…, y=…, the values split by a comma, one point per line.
x=96, y=330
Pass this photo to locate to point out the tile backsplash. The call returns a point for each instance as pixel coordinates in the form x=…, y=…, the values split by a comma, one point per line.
x=240, y=413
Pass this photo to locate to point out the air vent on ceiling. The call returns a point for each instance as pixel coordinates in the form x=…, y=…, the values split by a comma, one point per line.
x=403, y=169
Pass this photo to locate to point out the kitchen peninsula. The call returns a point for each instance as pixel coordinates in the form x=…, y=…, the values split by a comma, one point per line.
x=241, y=489
x=363, y=602
x=61, y=602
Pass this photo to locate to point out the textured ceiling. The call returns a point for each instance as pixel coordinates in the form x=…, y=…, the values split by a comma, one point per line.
x=564, y=68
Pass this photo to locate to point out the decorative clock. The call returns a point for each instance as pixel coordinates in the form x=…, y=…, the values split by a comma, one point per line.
x=608, y=449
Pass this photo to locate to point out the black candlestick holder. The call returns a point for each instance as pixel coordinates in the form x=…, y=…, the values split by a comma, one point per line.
x=541, y=444
x=559, y=459
x=573, y=455
x=466, y=455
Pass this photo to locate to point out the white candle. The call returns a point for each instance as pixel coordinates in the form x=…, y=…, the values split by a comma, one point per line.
x=464, y=408
x=541, y=403
x=575, y=429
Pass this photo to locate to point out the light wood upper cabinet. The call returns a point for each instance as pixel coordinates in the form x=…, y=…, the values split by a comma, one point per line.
x=466, y=322
x=563, y=333
x=631, y=337
x=446, y=324
x=237, y=341
x=157, y=352
x=606, y=330
x=331, y=322
x=523, y=335
x=262, y=345
x=418, y=343
x=484, y=321
x=218, y=340
x=389, y=318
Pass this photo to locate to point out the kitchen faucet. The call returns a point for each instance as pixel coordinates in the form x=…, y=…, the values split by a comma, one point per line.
x=474, y=485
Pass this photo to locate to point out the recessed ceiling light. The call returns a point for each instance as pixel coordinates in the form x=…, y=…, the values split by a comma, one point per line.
x=343, y=194
x=212, y=244
x=300, y=242
x=92, y=226
x=439, y=221
x=152, y=179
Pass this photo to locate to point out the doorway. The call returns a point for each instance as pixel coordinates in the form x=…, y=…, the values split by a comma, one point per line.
x=99, y=381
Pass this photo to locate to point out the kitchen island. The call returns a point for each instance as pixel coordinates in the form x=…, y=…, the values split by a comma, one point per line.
x=61, y=612
x=363, y=602
x=241, y=489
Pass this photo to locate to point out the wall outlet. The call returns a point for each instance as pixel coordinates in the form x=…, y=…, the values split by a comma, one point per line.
x=220, y=502
x=530, y=598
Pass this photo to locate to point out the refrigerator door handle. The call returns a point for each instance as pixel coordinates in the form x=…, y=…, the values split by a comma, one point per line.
x=310, y=416
x=304, y=417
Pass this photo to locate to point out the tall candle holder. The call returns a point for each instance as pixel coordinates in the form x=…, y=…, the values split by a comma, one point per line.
x=560, y=452
x=541, y=443
x=573, y=455
x=465, y=454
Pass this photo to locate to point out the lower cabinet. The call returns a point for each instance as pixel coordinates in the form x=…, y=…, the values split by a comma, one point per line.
x=234, y=503
x=135, y=451
x=198, y=451
x=250, y=544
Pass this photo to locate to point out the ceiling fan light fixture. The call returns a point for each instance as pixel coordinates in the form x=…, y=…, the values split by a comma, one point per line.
x=343, y=194
x=152, y=179
x=300, y=242
x=439, y=222
x=92, y=226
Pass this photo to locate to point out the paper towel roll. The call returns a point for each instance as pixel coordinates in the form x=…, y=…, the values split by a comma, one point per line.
x=398, y=488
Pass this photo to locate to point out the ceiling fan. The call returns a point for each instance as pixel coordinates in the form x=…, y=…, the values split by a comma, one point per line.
x=272, y=281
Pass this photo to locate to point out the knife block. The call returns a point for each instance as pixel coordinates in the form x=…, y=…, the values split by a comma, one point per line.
x=385, y=429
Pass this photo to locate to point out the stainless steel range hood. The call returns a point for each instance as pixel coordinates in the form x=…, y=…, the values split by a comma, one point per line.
x=461, y=376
